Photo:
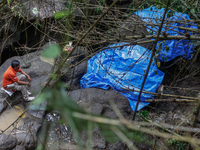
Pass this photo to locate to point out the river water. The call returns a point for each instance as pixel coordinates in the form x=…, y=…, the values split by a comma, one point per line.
x=58, y=135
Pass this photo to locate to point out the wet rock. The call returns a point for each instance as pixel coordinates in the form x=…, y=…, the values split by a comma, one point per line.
x=7, y=142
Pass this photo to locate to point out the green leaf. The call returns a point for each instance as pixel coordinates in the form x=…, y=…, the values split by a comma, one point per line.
x=193, y=10
x=52, y=52
x=167, y=49
x=97, y=10
x=41, y=98
x=61, y=14
x=145, y=113
x=8, y=1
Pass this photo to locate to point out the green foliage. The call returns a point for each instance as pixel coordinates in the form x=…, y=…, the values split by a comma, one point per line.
x=100, y=4
x=144, y=114
x=52, y=52
x=177, y=144
x=59, y=101
x=62, y=14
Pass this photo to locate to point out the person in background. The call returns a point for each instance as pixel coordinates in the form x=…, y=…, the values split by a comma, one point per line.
x=12, y=83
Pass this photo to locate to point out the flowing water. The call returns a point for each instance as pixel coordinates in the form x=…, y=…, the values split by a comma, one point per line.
x=58, y=135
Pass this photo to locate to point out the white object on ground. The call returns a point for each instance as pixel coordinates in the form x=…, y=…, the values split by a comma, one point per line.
x=10, y=93
x=29, y=93
x=30, y=98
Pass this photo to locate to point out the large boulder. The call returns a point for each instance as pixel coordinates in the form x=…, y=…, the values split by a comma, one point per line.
x=132, y=26
x=7, y=142
x=39, y=71
x=96, y=101
x=34, y=9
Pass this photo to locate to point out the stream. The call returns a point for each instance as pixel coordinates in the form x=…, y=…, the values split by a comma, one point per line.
x=58, y=135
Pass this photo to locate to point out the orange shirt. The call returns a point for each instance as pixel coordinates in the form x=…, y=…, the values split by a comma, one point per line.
x=10, y=76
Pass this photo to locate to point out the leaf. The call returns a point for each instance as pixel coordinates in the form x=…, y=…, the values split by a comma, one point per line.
x=167, y=49
x=8, y=1
x=20, y=111
x=35, y=11
x=41, y=98
x=145, y=113
x=61, y=14
x=158, y=64
x=52, y=52
x=97, y=10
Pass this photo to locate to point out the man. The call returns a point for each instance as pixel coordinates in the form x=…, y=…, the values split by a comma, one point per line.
x=12, y=83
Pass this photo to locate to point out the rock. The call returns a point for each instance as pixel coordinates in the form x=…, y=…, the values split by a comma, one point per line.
x=90, y=98
x=36, y=113
x=19, y=147
x=72, y=78
x=11, y=27
x=36, y=8
x=7, y=142
x=96, y=101
x=116, y=146
x=39, y=72
x=32, y=125
x=130, y=27
x=28, y=139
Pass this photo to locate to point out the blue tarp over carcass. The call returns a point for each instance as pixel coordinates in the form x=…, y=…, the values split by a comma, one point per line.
x=123, y=67
x=169, y=49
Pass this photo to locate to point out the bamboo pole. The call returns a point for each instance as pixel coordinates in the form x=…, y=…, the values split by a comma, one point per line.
x=177, y=96
x=166, y=37
x=169, y=100
x=152, y=55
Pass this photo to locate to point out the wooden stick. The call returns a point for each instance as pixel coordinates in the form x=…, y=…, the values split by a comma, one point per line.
x=167, y=37
x=169, y=100
x=177, y=96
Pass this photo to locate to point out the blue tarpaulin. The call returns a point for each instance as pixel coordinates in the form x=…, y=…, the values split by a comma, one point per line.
x=169, y=48
x=123, y=67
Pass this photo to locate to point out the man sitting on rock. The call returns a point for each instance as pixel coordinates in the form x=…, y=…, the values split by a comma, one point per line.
x=12, y=83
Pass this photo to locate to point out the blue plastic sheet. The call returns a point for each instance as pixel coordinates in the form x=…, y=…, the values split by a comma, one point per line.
x=123, y=67
x=169, y=49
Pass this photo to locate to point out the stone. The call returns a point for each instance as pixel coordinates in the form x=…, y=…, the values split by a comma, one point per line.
x=7, y=141
x=96, y=101
x=39, y=71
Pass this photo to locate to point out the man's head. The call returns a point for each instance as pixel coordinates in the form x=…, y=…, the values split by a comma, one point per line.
x=15, y=64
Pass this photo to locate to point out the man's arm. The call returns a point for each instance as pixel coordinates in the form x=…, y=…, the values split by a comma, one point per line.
x=23, y=82
x=29, y=79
